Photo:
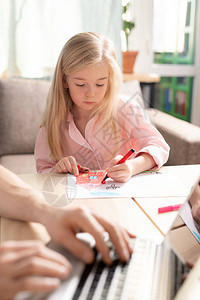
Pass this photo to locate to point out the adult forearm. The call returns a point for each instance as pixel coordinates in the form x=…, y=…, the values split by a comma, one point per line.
x=18, y=200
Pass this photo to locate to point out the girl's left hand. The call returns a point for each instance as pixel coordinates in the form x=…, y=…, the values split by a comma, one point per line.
x=121, y=172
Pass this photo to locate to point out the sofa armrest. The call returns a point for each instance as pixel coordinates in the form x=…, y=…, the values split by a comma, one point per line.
x=182, y=137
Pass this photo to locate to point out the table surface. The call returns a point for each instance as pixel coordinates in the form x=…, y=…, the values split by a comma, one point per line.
x=138, y=215
x=123, y=210
x=188, y=174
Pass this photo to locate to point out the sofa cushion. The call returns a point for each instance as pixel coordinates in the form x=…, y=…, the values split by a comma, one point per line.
x=22, y=103
x=182, y=137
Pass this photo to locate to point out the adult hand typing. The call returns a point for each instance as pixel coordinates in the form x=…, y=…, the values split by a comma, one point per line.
x=29, y=265
x=20, y=261
x=67, y=222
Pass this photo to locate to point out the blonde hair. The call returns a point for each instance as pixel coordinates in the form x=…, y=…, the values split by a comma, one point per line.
x=81, y=51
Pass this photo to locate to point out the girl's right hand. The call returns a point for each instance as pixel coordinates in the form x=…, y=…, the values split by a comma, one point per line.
x=67, y=164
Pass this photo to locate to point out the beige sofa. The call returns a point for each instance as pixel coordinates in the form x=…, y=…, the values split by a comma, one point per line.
x=22, y=102
x=21, y=105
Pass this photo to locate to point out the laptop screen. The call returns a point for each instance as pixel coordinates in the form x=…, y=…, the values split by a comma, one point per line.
x=189, y=213
x=184, y=236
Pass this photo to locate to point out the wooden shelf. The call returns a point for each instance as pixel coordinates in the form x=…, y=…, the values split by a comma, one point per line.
x=146, y=78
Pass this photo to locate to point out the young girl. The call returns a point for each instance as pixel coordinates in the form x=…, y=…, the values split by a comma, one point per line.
x=85, y=121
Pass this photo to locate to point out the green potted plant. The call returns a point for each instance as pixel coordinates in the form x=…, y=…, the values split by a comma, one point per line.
x=129, y=56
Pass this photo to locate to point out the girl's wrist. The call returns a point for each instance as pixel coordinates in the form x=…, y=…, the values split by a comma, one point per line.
x=142, y=163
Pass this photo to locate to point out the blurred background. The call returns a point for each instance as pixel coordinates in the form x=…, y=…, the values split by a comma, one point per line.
x=164, y=33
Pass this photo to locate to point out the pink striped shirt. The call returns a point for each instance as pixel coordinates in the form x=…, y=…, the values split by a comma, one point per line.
x=98, y=148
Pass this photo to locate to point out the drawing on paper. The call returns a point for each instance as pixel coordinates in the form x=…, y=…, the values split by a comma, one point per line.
x=91, y=179
x=88, y=185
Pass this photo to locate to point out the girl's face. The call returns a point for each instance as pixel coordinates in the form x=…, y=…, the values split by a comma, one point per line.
x=87, y=87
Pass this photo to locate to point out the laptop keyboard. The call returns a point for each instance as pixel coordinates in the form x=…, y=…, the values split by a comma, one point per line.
x=177, y=270
x=120, y=280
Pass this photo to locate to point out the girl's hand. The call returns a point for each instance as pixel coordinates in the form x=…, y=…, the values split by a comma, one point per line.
x=67, y=164
x=30, y=266
x=121, y=172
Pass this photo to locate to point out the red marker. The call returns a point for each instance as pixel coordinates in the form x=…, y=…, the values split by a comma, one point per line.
x=169, y=208
x=82, y=170
x=122, y=160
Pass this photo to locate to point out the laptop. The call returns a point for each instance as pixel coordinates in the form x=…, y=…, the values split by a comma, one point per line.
x=154, y=271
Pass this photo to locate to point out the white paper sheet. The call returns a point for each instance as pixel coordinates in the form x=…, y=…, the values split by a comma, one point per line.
x=143, y=185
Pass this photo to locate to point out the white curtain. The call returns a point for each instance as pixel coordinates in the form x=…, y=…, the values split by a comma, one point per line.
x=33, y=32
